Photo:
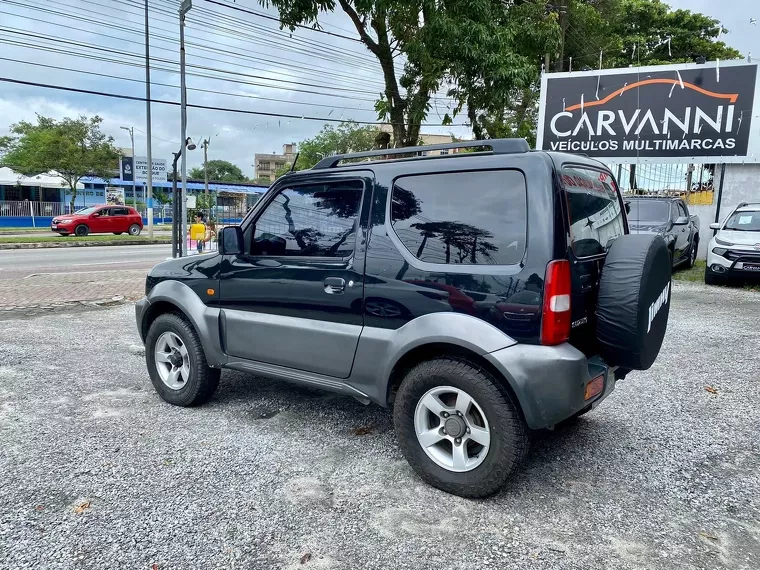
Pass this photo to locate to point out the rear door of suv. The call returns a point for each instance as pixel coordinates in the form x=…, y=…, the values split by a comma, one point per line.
x=294, y=298
x=594, y=217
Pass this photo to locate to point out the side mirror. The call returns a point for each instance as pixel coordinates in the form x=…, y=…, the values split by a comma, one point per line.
x=714, y=226
x=231, y=241
x=681, y=221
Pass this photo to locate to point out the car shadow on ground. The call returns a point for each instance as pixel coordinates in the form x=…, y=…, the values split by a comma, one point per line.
x=255, y=399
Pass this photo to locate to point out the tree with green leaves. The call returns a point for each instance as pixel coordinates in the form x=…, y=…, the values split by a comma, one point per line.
x=73, y=148
x=639, y=32
x=346, y=137
x=481, y=52
x=219, y=171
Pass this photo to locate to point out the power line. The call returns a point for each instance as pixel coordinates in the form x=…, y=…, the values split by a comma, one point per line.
x=172, y=62
x=213, y=91
x=268, y=17
x=100, y=23
x=175, y=72
x=192, y=105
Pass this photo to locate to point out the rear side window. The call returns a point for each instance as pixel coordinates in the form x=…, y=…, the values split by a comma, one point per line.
x=475, y=218
x=596, y=217
x=120, y=212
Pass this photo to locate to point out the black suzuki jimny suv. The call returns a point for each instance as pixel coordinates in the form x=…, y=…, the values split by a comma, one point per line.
x=482, y=294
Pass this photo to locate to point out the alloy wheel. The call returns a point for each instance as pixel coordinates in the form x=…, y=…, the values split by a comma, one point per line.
x=172, y=360
x=452, y=429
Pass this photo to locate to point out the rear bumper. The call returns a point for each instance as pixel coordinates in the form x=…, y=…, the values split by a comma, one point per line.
x=550, y=381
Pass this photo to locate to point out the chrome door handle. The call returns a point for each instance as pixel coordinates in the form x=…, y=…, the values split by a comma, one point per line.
x=335, y=285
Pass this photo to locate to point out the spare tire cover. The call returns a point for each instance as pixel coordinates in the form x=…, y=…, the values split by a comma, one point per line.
x=634, y=301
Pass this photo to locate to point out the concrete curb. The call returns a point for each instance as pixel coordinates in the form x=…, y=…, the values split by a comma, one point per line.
x=54, y=244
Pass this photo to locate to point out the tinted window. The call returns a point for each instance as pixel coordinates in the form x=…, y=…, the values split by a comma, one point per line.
x=119, y=212
x=596, y=217
x=648, y=211
x=681, y=209
x=316, y=221
x=464, y=217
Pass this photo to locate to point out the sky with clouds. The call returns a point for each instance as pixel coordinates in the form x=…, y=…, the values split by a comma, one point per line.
x=234, y=60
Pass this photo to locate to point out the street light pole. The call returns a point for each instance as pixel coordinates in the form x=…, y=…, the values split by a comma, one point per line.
x=178, y=232
x=149, y=185
x=206, y=142
x=183, y=10
x=131, y=131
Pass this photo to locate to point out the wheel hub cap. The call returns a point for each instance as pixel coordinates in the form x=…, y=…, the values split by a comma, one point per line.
x=454, y=427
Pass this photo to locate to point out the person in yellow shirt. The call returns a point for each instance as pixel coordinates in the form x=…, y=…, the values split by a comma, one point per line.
x=197, y=232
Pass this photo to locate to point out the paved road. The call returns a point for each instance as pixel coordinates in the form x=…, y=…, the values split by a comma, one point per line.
x=47, y=277
x=71, y=258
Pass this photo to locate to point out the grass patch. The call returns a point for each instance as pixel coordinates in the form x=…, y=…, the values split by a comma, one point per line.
x=695, y=274
x=61, y=239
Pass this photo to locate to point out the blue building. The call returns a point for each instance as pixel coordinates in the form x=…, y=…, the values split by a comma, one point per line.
x=27, y=201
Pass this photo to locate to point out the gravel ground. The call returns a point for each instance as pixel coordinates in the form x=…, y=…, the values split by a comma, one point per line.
x=97, y=472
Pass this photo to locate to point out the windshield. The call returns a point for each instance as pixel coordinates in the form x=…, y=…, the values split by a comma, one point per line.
x=648, y=211
x=744, y=222
x=86, y=211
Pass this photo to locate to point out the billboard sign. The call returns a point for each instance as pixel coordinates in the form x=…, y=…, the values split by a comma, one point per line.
x=141, y=169
x=667, y=113
x=127, y=168
x=114, y=196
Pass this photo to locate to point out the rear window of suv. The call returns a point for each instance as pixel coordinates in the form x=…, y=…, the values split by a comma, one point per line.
x=470, y=218
x=596, y=217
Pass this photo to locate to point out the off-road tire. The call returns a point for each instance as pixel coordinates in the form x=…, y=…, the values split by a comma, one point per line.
x=81, y=230
x=203, y=380
x=509, y=434
x=693, y=252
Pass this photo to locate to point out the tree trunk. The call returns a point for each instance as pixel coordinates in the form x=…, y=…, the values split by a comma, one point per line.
x=422, y=246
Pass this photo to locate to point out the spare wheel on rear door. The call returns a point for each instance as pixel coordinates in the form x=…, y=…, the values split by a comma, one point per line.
x=634, y=301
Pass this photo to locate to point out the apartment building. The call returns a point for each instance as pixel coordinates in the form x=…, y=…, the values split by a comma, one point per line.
x=266, y=165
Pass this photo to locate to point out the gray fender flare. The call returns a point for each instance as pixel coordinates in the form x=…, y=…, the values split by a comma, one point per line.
x=380, y=350
x=204, y=319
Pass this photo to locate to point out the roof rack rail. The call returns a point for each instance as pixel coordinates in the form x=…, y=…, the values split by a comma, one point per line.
x=498, y=146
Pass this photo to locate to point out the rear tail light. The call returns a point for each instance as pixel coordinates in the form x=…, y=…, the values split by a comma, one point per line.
x=555, y=320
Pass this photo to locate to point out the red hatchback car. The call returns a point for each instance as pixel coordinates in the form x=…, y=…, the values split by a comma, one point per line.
x=99, y=220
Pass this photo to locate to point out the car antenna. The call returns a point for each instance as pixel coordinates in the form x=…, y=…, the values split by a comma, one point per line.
x=293, y=166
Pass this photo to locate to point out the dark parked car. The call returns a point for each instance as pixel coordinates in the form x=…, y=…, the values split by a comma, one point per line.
x=670, y=218
x=482, y=295
x=99, y=220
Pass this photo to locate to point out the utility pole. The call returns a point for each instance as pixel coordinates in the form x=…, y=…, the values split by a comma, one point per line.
x=131, y=131
x=559, y=64
x=149, y=200
x=183, y=10
x=205, y=143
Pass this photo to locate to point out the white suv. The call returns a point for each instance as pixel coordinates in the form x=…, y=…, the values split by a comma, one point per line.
x=734, y=252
